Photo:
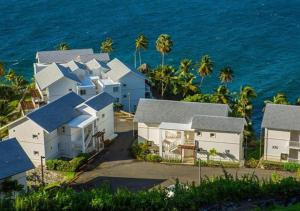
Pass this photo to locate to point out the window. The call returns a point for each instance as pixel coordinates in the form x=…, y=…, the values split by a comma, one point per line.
x=212, y=135
x=284, y=156
x=124, y=96
x=82, y=92
x=124, y=85
x=115, y=89
x=103, y=115
x=36, y=153
x=199, y=133
x=274, y=147
x=34, y=136
x=70, y=90
x=63, y=129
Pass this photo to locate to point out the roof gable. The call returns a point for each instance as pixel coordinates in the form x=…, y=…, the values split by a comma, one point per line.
x=57, y=113
x=100, y=101
x=282, y=117
x=53, y=73
x=157, y=111
x=13, y=159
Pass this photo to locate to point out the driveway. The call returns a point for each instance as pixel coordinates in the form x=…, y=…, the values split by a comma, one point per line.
x=117, y=168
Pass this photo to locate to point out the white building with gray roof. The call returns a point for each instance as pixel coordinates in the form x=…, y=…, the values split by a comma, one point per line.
x=65, y=127
x=172, y=128
x=281, y=132
x=87, y=74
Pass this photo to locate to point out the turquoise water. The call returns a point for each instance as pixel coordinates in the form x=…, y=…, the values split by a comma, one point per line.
x=259, y=39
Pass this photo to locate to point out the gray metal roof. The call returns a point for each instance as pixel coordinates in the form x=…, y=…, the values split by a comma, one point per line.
x=88, y=57
x=61, y=56
x=74, y=65
x=57, y=113
x=282, y=117
x=217, y=123
x=53, y=73
x=100, y=101
x=13, y=159
x=157, y=111
x=118, y=70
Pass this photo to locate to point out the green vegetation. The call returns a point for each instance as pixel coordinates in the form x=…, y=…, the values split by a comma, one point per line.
x=107, y=46
x=67, y=166
x=214, y=191
x=8, y=187
x=224, y=164
x=63, y=46
x=141, y=151
x=294, y=207
x=140, y=43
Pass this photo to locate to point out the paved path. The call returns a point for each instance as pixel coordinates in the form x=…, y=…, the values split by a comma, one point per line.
x=117, y=168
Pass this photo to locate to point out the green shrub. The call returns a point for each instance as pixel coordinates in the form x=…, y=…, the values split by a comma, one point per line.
x=140, y=150
x=293, y=167
x=252, y=163
x=67, y=166
x=153, y=158
x=213, y=163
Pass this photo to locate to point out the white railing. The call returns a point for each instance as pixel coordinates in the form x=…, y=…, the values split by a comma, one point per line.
x=295, y=144
x=87, y=140
x=173, y=145
x=171, y=156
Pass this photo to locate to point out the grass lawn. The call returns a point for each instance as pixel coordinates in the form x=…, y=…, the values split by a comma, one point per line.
x=294, y=207
x=68, y=176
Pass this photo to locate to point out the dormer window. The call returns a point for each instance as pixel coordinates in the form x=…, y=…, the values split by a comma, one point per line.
x=82, y=92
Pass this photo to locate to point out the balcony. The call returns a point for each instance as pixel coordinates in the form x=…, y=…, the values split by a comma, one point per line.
x=294, y=144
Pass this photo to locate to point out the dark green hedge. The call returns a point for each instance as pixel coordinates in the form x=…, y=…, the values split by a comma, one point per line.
x=63, y=165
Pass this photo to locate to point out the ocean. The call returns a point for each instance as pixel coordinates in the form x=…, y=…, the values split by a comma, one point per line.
x=259, y=39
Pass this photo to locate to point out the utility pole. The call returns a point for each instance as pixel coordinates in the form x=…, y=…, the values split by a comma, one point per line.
x=129, y=102
x=197, y=149
x=42, y=170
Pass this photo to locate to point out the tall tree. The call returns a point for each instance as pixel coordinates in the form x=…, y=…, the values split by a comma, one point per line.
x=107, y=46
x=164, y=45
x=279, y=98
x=140, y=43
x=164, y=76
x=63, y=46
x=222, y=95
x=2, y=70
x=205, y=67
x=226, y=75
x=185, y=66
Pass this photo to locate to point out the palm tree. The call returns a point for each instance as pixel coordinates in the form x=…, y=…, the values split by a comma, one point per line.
x=140, y=42
x=205, y=67
x=11, y=75
x=279, y=98
x=63, y=46
x=185, y=66
x=187, y=86
x=164, y=75
x=107, y=46
x=226, y=75
x=221, y=96
x=2, y=70
x=164, y=45
x=298, y=101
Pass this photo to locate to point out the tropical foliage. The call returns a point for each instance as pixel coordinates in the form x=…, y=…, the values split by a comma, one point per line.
x=107, y=46
x=164, y=45
x=140, y=43
x=216, y=192
x=63, y=46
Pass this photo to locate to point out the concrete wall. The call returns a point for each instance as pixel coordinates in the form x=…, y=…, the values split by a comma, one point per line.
x=221, y=141
x=90, y=91
x=31, y=138
x=276, y=143
x=149, y=132
x=105, y=121
x=135, y=85
x=110, y=90
x=61, y=88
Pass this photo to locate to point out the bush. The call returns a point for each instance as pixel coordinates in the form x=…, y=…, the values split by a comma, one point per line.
x=153, y=158
x=273, y=165
x=140, y=151
x=252, y=163
x=67, y=166
x=225, y=164
x=293, y=167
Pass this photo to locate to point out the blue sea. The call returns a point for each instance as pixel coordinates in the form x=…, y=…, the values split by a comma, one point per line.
x=259, y=39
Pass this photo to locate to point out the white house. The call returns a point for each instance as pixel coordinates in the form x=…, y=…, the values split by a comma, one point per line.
x=87, y=74
x=65, y=127
x=281, y=133
x=173, y=127
x=14, y=163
